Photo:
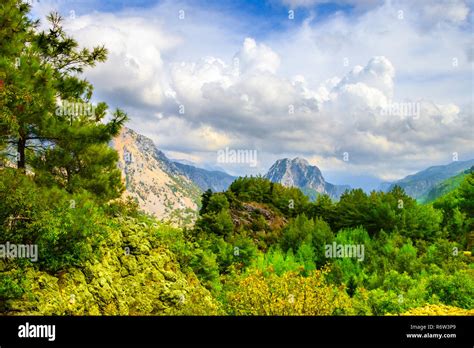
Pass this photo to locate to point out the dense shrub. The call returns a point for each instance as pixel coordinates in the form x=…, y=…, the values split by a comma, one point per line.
x=288, y=294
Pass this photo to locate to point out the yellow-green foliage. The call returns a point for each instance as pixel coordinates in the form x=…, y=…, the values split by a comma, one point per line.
x=439, y=309
x=288, y=294
x=145, y=281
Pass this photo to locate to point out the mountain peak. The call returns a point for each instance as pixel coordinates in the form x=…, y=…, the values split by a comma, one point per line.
x=297, y=172
x=295, y=161
x=151, y=178
x=300, y=161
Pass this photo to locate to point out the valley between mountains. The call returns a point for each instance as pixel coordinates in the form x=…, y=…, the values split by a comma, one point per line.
x=183, y=240
x=96, y=220
x=172, y=190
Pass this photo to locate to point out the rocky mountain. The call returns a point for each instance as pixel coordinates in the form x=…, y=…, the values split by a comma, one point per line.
x=299, y=173
x=206, y=179
x=166, y=189
x=420, y=184
x=153, y=180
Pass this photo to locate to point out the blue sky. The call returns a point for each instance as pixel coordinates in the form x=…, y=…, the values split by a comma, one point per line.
x=267, y=10
x=238, y=67
x=263, y=16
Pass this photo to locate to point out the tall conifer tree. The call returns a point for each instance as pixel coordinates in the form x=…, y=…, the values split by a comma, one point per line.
x=48, y=123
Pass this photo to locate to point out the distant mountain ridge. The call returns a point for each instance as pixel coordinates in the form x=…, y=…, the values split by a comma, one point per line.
x=445, y=186
x=419, y=184
x=171, y=189
x=206, y=179
x=299, y=173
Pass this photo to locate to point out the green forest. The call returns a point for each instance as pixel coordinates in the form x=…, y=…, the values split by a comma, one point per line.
x=258, y=248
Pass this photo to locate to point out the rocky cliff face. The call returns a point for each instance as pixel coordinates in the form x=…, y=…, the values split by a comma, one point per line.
x=296, y=173
x=153, y=180
x=299, y=173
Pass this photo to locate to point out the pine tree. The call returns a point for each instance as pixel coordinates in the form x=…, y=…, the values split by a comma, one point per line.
x=65, y=144
x=205, y=198
x=27, y=96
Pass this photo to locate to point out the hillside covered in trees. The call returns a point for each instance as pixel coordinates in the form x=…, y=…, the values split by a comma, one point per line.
x=258, y=248
x=263, y=238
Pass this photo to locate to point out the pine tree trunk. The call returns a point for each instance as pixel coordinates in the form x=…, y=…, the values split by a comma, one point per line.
x=21, y=160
